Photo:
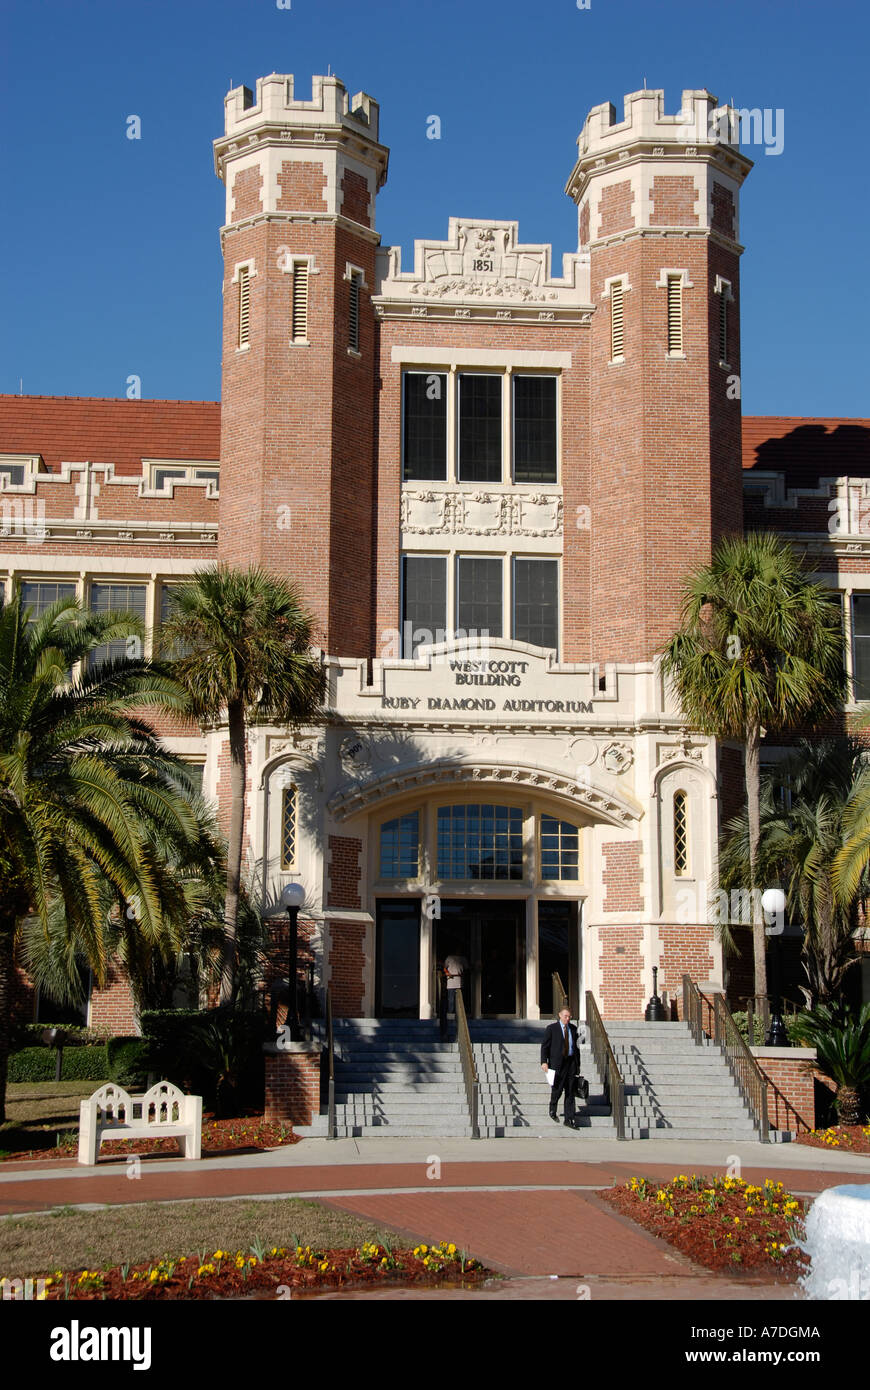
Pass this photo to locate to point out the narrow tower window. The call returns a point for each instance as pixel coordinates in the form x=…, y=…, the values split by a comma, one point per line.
x=681, y=834
x=244, y=305
x=617, y=336
x=723, y=327
x=675, y=313
x=300, y=301
x=353, y=330
x=288, y=828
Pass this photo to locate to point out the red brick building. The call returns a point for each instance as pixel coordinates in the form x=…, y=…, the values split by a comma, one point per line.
x=488, y=476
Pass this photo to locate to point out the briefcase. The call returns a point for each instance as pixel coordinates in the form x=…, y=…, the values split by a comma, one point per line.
x=581, y=1087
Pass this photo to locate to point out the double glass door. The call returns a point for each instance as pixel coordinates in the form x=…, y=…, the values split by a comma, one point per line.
x=489, y=936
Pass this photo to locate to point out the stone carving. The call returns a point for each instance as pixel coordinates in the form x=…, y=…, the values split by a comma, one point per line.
x=483, y=261
x=617, y=757
x=684, y=749
x=429, y=513
x=355, y=754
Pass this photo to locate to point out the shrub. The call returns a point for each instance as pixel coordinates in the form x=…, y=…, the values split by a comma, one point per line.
x=128, y=1061
x=215, y=1053
x=39, y=1063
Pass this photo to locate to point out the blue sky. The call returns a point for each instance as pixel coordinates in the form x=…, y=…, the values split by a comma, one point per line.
x=110, y=246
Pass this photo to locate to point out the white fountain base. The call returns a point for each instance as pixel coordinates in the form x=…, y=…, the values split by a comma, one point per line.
x=838, y=1243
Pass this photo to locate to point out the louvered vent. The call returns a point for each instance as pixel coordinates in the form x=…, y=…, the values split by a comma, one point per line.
x=675, y=313
x=244, y=305
x=617, y=335
x=300, y=301
x=723, y=326
x=353, y=331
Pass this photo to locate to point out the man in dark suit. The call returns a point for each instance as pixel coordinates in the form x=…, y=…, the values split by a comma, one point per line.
x=560, y=1053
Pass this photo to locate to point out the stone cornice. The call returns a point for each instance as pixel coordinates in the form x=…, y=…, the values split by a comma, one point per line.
x=707, y=233
x=336, y=219
x=725, y=159
x=614, y=807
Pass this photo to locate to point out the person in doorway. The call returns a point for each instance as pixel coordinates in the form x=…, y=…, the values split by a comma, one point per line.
x=455, y=967
x=560, y=1053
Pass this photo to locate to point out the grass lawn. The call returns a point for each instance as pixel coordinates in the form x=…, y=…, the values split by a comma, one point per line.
x=69, y=1239
x=37, y=1111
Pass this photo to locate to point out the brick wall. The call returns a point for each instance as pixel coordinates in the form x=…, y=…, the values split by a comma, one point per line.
x=685, y=951
x=112, y=1007
x=346, y=967
x=790, y=1095
x=622, y=985
x=673, y=201
x=344, y=871
x=622, y=876
x=614, y=208
x=293, y=1086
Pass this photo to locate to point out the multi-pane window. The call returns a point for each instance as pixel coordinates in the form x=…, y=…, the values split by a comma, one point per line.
x=425, y=426
x=39, y=594
x=194, y=772
x=681, y=833
x=162, y=476
x=480, y=842
x=288, y=828
x=560, y=849
x=534, y=429
x=424, y=601
x=479, y=594
x=117, y=598
x=675, y=313
x=861, y=646
x=536, y=602
x=244, y=306
x=13, y=473
x=400, y=847
x=353, y=311
x=617, y=326
x=480, y=428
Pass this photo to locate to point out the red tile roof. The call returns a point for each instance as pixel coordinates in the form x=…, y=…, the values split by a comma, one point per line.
x=73, y=429
x=807, y=448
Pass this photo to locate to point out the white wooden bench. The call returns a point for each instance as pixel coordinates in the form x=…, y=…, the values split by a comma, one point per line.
x=110, y=1113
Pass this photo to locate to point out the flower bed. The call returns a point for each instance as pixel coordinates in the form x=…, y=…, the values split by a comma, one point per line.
x=854, y=1138
x=277, y=1271
x=249, y=1133
x=721, y=1223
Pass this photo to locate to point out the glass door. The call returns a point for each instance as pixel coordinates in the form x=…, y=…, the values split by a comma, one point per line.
x=397, y=978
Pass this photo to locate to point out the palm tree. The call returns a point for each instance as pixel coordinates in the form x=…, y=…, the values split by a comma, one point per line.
x=240, y=641
x=82, y=778
x=759, y=651
x=798, y=846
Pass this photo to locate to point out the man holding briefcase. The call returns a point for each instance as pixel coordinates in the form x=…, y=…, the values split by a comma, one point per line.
x=560, y=1054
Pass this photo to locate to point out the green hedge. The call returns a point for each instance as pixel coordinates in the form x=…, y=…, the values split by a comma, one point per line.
x=39, y=1064
x=30, y=1035
x=215, y=1053
x=128, y=1061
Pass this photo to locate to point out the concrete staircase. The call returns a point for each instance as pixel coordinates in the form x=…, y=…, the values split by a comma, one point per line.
x=675, y=1088
x=394, y=1078
x=514, y=1096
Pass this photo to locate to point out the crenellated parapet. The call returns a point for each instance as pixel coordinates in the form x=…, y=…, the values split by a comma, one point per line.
x=652, y=171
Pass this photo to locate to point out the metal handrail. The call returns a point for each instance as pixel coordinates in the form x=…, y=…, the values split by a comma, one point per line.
x=560, y=994
x=330, y=1069
x=693, y=1009
x=469, y=1071
x=605, y=1061
x=750, y=1079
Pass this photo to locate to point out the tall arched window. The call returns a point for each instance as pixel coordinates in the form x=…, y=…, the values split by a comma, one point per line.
x=681, y=833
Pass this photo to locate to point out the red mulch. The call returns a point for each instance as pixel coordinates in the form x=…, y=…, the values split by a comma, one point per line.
x=280, y=1276
x=713, y=1238
x=854, y=1138
x=249, y=1134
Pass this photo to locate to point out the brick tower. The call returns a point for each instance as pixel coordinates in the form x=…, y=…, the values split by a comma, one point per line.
x=657, y=199
x=298, y=395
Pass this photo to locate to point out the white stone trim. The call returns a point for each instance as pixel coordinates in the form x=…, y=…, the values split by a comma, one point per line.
x=666, y=271
x=250, y=265
x=455, y=358
x=351, y=270
x=616, y=280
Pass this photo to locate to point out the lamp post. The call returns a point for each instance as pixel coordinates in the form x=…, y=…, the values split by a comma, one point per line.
x=773, y=907
x=292, y=898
